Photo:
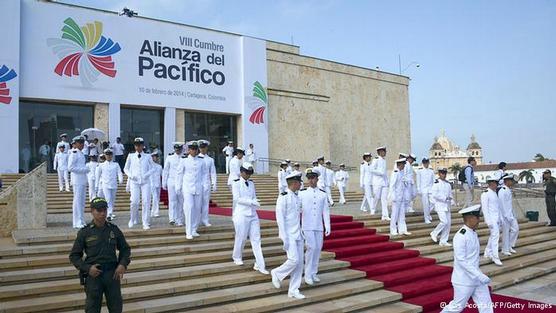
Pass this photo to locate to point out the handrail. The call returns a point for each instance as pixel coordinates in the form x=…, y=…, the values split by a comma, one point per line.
x=305, y=164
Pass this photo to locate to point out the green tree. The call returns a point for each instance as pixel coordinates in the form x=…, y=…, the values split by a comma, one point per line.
x=539, y=157
x=455, y=169
x=527, y=175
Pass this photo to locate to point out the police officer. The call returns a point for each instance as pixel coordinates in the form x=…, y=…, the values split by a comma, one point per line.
x=78, y=170
x=169, y=179
x=288, y=209
x=102, y=269
x=467, y=279
x=315, y=212
x=549, y=184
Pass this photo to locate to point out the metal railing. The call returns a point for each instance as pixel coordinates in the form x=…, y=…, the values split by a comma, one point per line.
x=266, y=163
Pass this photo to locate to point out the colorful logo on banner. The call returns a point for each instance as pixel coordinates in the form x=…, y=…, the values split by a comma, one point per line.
x=258, y=104
x=6, y=74
x=84, y=52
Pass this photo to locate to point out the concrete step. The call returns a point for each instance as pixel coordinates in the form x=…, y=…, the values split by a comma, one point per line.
x=515, y=277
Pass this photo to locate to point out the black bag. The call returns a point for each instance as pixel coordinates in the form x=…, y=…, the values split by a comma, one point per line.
x=461, y=175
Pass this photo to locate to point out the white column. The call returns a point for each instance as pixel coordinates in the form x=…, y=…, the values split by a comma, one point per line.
x=169, y=129
x=113, y=121
x=10, y=77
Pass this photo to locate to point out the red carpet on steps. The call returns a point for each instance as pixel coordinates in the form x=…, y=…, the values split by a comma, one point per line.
x=418, y=279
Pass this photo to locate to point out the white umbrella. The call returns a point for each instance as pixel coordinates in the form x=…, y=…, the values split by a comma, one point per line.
x=93, y=133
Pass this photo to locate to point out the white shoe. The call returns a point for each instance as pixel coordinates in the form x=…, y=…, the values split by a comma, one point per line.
x=296, y=294
x=410, y=211
x=496, y=261
x=309, y=281
x=434, y=237
x=445, y=244
x=373, y=212
x=384, y=219
x=364, y=210
x=130, y=224
x=393, y=234
x=428, y=222
x=316, y=279
x=145, y=227
x=238, y=262
x=506, y=253
x=406, y=233
x=188, y=237
x=61, y=189
x=196, y=234
x=208, y=225
x=156, y=215
x=179, y=225
x=512, y=250
x=261, y=270
x=275, y=280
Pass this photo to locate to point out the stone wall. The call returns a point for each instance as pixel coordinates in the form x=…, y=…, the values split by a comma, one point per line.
x=101, y=117
x=23, y=205
x=180, y=125
x=322, y=107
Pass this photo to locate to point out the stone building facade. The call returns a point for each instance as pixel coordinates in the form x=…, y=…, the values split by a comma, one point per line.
x=444, y=152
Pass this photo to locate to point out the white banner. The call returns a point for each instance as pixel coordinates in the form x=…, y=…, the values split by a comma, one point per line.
x=78, y=54
x=9, y=86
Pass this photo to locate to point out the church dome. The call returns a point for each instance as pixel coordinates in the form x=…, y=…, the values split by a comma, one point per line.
x=473, y=145
x=436, y=146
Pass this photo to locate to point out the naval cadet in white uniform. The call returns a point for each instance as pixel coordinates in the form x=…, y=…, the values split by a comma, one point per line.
x=155, y=184
x=78, y=170
x=229, y=154
x=467, y=279
x=379, y=182
x=191, y=171
x=61, y=166
x=288, y=211
x=425, y=179
x=245, y=218
x=108, y=176
x=398, y=196
x=315, y=212
x=235, y=164
x=209, y=182
x=365, y=182
x=282, y=173
x=341, y=178
x=510, y=227
x=138, y=168
x=491, y=207
x=169, y=182
x=443, y=198
x=411, y=190
x=63, y=142
x=329, y=181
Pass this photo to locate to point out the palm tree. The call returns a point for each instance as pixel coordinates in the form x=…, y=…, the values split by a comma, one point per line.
x=527, y=175
x=455, y=169
x=539, y=157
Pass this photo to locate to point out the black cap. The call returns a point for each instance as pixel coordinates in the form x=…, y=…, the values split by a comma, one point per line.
x=99, y=203
x=425, y=160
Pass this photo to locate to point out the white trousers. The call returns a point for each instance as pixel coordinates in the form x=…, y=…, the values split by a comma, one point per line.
x=442, y=230
x=510, y=231
x=491, y=249
x=293, y=265
x=63, y=179
x=397, y=221
x=228, y=158
x=342, y=190
x=380, y=192
x=281, y=189
x=204, y=216
x=468, y=195
x=155, y=196
x=425, y=200
x=78, y=206
x=110, y=196
x=100, y=191
x=480, y=295
x=329, y=195
x=367, y=198
x=410, y=194
x=191, y=210
x=248, y=226
x=313, y=243
x=175, y=204
x=140, y=192
x=92, y=191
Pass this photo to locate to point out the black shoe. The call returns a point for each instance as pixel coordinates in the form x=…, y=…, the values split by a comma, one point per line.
x=109, y=218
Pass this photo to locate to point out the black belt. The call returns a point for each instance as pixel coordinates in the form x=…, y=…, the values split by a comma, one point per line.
x=105, y=267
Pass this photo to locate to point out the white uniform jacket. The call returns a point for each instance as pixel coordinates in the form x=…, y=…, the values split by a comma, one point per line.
x=329, y=177
x=109, y=175
x=77, y=167
x=170, y=170
x=466, y=270
x=235, y=165
x=244, y=198
x=379, y=172
x=490, y=205
x=156, y=175
x=61, y=161
x=323, y=176
x=425, y=180
x=442, y=195
x=288, y=213
x=65, y=144
x=507, y=210
x=341, y=177
x=210, y=177
x=315, y=209
x=139, y=167
x=366, y=177
x=282, y=183
x=396, y=190
x=190, y=175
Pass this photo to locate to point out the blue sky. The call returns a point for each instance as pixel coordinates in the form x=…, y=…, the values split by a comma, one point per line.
x=487, y=67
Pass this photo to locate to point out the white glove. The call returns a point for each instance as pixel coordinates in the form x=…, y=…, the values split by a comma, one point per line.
x=256, y=203
x=165, y=187
x=484, y=279
x=327, y=233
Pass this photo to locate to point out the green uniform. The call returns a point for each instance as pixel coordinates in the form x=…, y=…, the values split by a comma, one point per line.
x=99, y=245
x=550, y=194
